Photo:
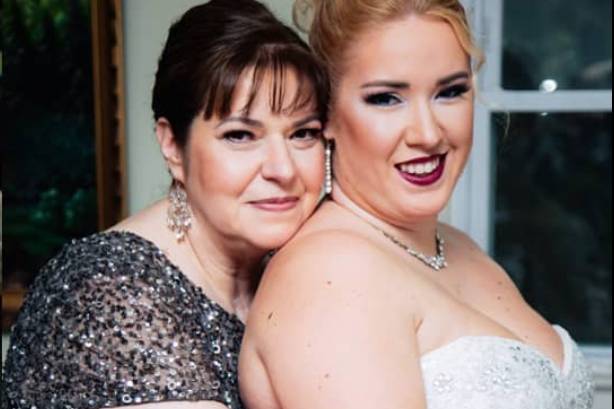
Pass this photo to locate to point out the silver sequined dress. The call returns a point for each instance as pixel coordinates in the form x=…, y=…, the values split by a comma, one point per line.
x=111, y=322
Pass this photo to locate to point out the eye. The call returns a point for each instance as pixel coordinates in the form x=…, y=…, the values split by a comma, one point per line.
x=307, y=134
x=454, y=91
x=238, y=136
x=383, y=99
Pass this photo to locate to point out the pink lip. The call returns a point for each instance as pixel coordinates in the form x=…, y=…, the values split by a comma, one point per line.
x=425, y=180
x=276, y=204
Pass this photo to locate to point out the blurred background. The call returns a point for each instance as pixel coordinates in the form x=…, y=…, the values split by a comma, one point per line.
x=79, y=152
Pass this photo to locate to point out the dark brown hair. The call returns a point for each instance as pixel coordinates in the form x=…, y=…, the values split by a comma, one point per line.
x=209, y=48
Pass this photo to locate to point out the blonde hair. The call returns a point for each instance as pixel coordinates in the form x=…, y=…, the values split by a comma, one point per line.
x=334, y=24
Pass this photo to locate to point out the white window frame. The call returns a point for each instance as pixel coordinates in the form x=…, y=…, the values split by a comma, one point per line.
x=472, y=206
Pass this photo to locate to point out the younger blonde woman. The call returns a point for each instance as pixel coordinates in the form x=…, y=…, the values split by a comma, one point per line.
x=375, y=304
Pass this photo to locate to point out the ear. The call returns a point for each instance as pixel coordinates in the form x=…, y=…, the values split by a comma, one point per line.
x=330, y=131
x=171, y=151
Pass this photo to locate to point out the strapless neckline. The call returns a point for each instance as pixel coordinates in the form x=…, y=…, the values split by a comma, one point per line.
x=494, y=372
x=564, y=336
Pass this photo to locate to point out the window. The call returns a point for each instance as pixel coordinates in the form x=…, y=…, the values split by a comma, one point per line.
x=537, y=193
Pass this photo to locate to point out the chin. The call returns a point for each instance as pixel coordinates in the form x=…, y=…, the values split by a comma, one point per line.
x=427, y=206
x=271, y=237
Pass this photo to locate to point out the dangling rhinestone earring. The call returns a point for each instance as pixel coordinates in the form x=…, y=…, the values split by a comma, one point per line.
x=179, y=218
x=328, y=186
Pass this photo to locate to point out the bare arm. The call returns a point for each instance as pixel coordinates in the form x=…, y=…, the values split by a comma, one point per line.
x=335, y=330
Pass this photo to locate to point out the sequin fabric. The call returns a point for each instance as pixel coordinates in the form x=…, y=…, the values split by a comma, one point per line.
x=111, y=322
x=496, y=373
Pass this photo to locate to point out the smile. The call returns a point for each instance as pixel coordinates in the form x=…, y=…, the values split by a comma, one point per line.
x=277, y=204
x=423, y=171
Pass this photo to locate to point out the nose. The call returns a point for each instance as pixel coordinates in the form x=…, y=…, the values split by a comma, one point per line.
x=278, y=165
x=423, y=130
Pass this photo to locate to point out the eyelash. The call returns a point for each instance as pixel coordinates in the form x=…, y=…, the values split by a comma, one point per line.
x=387, y=99
x=237, y=136
x=376, y=99
x=307, y=134
x=454, y=91
x=312, y=133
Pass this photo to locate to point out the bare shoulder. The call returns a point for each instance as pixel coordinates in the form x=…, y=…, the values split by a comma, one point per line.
x=460, y=240
x=316, y=324
x=327, y=270
x=486, y=273
x=328, y=252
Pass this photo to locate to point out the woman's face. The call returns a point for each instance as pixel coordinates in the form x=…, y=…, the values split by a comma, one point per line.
x=254, y=177
x=402, y=118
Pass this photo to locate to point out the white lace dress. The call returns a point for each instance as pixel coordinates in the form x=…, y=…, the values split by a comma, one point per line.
x=486, y=372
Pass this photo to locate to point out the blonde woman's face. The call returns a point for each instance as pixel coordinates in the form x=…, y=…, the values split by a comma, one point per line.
x=402, y=118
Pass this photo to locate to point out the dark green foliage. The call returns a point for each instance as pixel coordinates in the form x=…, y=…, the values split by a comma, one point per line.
x=48, y=162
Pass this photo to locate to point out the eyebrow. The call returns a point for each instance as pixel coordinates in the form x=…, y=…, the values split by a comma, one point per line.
x=305, y=121
x=461, y=75
x=386, y=84
x=257, y=124
x=245, y=121
x=404, y=85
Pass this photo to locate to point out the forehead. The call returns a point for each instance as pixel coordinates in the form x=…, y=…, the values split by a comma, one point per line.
x=413, y=46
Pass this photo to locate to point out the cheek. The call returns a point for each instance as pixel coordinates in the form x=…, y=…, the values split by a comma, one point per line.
x=222, y=173
x=310, y=168
x=372, y=132
x=457, y=122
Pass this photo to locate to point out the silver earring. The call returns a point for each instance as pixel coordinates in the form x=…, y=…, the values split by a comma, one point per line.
x=179, y=218
x=328, y=185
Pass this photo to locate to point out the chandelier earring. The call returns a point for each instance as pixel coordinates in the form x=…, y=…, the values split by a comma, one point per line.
x=179, y=217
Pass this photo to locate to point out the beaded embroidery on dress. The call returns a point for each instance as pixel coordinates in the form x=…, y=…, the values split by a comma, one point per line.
x=112, y=322
x=498, y=373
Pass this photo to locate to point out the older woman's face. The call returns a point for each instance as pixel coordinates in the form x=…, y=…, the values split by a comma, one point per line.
x=403, y=118
x=255, y=177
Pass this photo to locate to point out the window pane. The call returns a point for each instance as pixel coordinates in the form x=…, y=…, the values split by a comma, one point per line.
x=553, y=216
x=558, y=44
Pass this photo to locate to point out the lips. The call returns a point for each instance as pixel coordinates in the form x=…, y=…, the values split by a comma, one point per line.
x=276, y=204
x=424, y=171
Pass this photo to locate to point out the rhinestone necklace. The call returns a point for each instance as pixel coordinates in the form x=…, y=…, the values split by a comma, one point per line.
x=437, y=262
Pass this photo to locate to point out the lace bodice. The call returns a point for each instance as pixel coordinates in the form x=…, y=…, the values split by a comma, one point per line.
x=112, y=322
x=496, y=373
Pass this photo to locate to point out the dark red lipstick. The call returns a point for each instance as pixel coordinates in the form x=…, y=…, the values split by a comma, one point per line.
x=417, y=173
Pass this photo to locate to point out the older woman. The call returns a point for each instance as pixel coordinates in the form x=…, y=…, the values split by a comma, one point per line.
x=375, y=304
x=151, y=312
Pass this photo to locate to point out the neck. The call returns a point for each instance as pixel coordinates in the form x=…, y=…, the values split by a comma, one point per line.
x=229, y=267
x=418, y=233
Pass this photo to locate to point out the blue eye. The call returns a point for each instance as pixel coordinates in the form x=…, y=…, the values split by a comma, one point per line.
x=238, y=136
x=384, y=99
x=454, y=91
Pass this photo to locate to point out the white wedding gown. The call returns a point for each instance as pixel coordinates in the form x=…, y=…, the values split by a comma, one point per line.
x=487, y=372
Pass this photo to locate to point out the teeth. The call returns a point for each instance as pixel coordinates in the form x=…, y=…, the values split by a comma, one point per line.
x=422, y=168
